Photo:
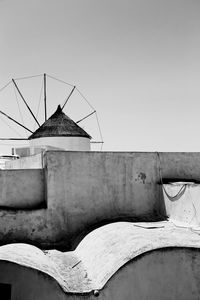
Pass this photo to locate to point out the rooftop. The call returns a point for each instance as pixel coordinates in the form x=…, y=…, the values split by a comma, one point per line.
x=59, y=124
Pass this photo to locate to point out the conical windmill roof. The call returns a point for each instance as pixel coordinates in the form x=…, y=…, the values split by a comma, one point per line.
x=59, y=124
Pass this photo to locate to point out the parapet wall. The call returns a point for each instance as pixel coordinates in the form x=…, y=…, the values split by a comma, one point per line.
x=28, y=162
x=83, y=190
x=22, y=189
x=100, y=187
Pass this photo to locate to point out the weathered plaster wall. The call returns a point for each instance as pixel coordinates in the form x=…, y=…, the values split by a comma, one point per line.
x=29, y=162
x=29, y=284
x=22, y=189
x=180, y=165
x=169, y=273
x=84, y=190
x=98, y=187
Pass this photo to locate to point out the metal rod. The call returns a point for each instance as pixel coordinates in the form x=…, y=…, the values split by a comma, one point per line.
x=85, y=98
x=1, y=89
x=86, y=117
x=68, y=97
x=28, y=77
x=45, y=98
x=59, y=80
x=15, y=121
x=13, y=139
x=25, y=102
x=96, y=142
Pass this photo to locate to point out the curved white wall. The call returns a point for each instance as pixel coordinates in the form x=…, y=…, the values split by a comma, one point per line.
x=66, y=143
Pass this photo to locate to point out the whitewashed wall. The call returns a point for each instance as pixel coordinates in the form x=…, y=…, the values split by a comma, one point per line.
x=65, y=143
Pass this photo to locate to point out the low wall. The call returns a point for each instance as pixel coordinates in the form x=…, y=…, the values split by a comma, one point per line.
x=169, y=273
x=179, y=166
x=96, y=188
x=29, y=162
x=84, y=190
x=22, y=189
x=27, y=284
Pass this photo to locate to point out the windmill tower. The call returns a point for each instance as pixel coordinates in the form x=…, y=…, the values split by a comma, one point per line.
x=59, y=131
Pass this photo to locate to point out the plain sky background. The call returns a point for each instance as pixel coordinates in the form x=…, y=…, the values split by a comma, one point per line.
x=136, y=61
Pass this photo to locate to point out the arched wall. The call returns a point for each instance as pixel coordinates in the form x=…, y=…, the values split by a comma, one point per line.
x=29, y=284
x=168, y=273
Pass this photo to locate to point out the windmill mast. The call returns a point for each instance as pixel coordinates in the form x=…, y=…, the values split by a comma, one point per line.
x=45, y=98
x=17, y=88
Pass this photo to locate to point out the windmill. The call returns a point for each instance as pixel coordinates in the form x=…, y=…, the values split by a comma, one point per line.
x=58, y=130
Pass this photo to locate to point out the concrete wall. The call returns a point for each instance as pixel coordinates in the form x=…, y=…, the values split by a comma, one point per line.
x=169, y=273
x=180, y=166
x=22, y=189
x=29, y=284
x=161, y=274
x=98, y=187
x=29, y=162
x=87, y=189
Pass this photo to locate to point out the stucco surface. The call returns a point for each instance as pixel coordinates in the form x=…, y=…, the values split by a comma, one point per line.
x=169, y=273
x=66, y=143
x=22, y=189
x=162, y=274
x=180, y=165
x=98, y=188
x=182, y=201
x=29, y=162
x=101, y=253
x=29, y=284
x=84, y=190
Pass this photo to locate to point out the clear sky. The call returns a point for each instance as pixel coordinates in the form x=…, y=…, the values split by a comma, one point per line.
x=136, y=61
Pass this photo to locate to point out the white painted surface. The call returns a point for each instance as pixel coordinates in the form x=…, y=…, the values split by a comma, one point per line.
x=66, y=143
x=4, y=159
x=101, y=253
x=182, y=201
x=29, y=162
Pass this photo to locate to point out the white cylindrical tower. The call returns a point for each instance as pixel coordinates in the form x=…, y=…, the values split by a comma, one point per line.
x=59, y=131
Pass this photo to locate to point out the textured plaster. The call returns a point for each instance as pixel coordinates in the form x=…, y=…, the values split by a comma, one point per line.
x=84, y=190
